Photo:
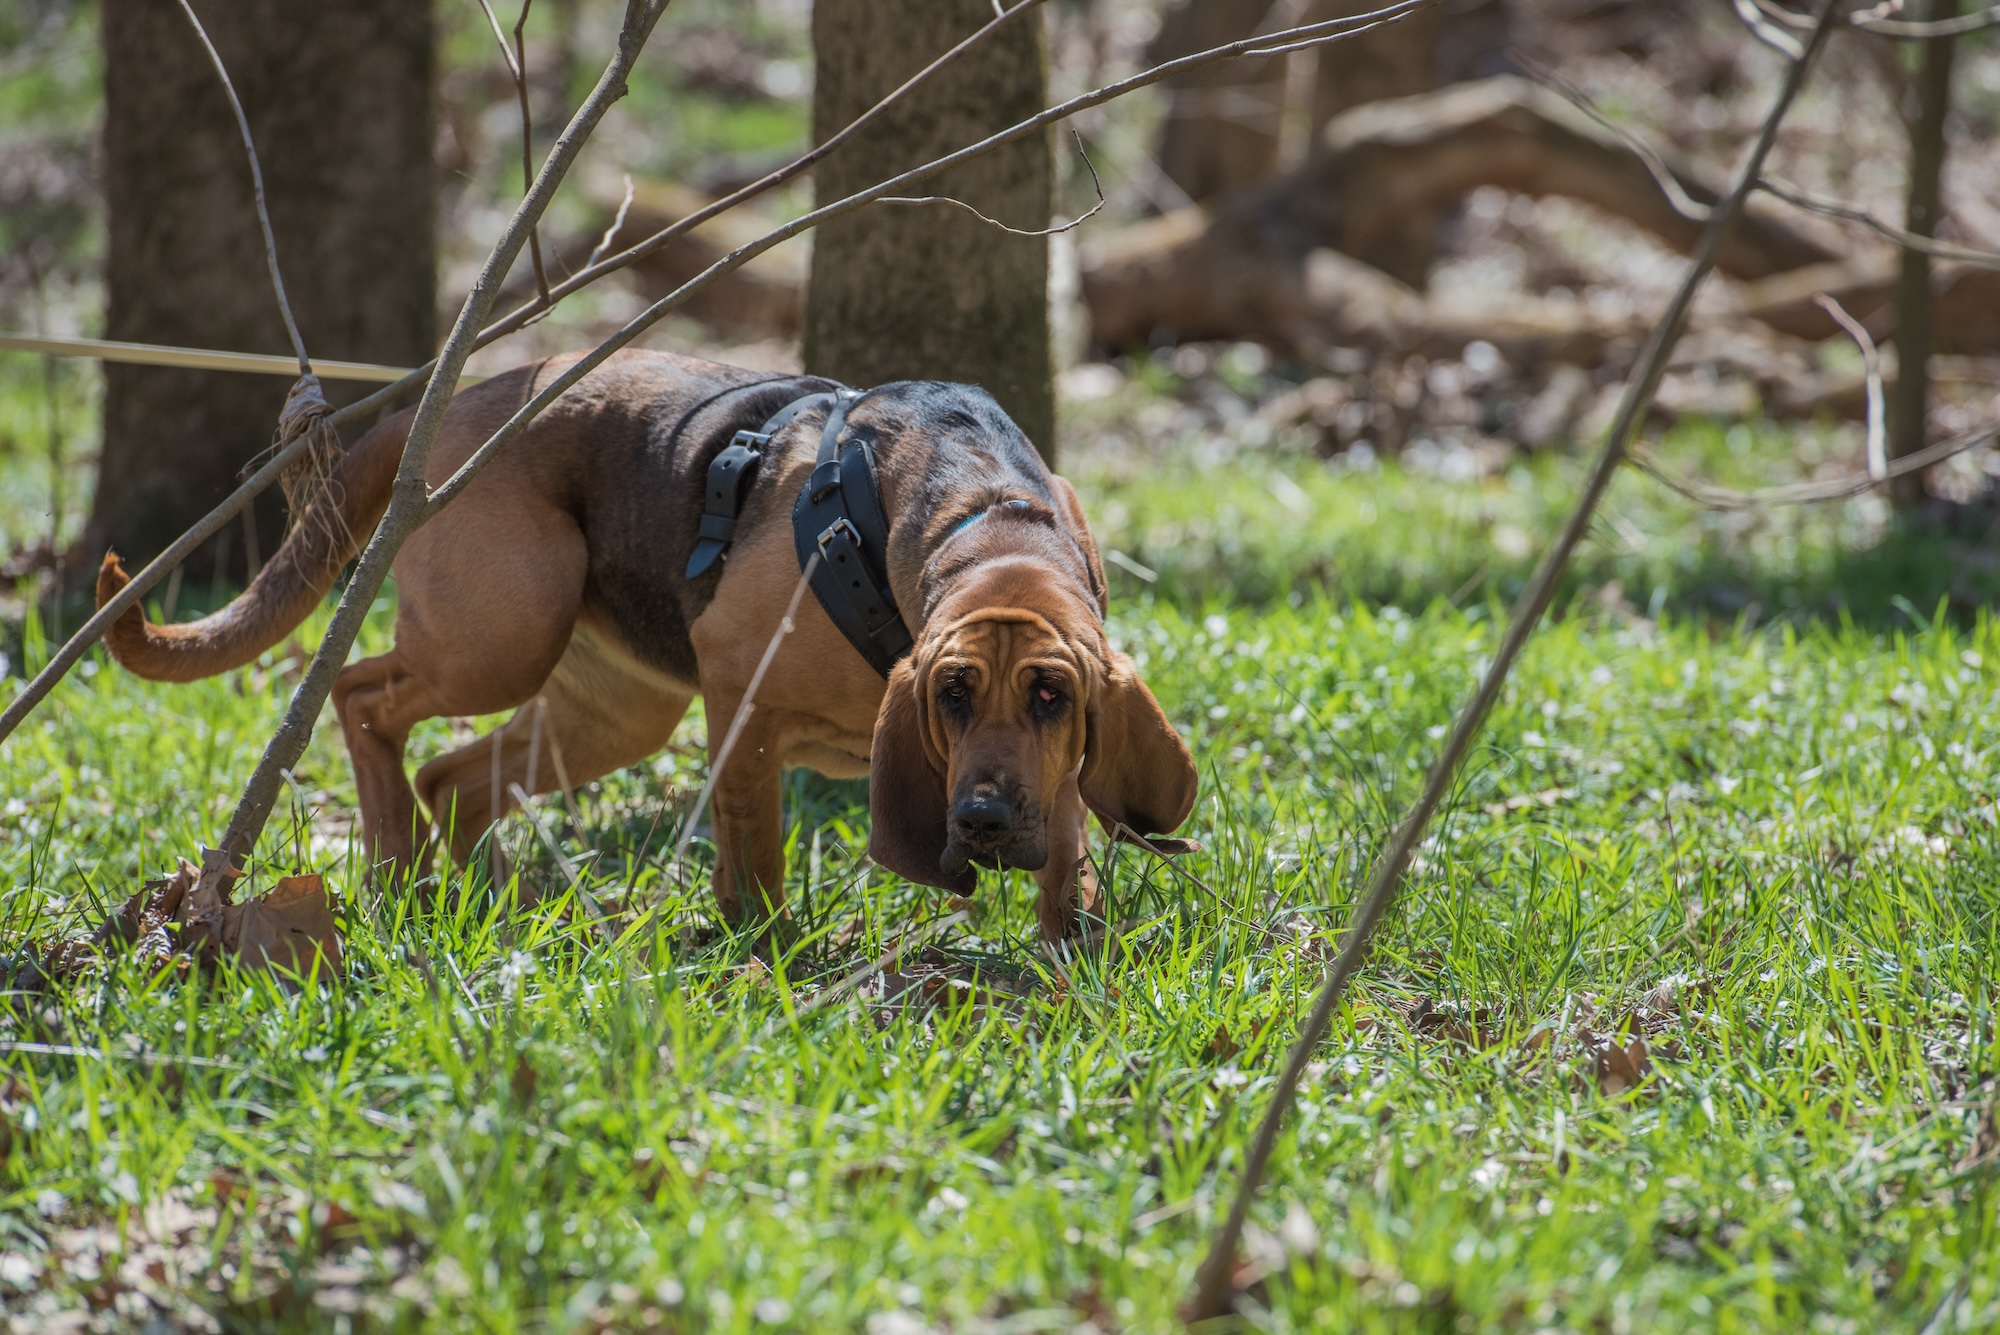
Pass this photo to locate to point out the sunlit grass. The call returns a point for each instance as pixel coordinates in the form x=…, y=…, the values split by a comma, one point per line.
x=530, y=1125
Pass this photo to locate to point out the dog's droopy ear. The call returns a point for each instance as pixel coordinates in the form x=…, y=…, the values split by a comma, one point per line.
x=1136, y=770
x=906, y=796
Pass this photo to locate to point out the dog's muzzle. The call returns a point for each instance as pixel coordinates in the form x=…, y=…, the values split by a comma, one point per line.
x=990, y=828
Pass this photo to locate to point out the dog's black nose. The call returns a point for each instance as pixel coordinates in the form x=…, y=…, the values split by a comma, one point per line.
x=980, y=818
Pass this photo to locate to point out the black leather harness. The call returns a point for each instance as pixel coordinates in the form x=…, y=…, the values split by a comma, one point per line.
x=838, y=516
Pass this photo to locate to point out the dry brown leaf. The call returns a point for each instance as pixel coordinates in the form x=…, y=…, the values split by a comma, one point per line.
x=284, y=929
x=1618, y=1068
x=524, y=1079
x=1476, y=1027
x=1221, y=1047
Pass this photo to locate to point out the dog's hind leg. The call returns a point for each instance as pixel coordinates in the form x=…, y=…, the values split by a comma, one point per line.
x=595, y=714
x=378, y=701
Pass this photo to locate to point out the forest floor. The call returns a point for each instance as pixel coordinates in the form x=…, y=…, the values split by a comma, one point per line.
x=1685, y=1020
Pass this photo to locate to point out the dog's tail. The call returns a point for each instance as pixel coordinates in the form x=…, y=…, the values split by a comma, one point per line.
x=325, y=533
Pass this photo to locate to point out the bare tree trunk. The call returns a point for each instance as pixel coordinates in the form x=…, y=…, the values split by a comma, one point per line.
x=1915, y=333
x=1223, y=121
x=1393, y=61
x=927, y=291
x=338, y=94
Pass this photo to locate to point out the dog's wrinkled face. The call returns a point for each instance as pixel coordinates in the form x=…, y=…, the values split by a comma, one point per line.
x=1002, y=710
x=1007, y=725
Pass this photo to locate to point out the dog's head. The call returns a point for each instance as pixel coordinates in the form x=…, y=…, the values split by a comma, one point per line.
x=1008, y=719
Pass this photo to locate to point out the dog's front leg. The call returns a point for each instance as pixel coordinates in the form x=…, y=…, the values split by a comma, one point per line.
x=1067, y=880
x=749, y=826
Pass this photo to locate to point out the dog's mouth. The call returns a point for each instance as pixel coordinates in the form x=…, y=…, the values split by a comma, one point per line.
x=1023, y=848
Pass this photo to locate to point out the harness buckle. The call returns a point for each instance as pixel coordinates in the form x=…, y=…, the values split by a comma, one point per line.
x=839, y=528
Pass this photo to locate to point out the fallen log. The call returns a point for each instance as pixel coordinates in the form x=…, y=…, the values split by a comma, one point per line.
x=1238, y=268
x=1965, y=302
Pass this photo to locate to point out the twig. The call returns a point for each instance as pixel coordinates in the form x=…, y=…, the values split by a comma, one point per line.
x=517, y=65
x=1879, y=21
x=1806, y=493
x=109, y=1054
x=743, y=709
x=908, y=942
x=1922, y=30
x=496, y=860
x=257, y=185
x=597, y=251
x=1214, y=1295
x=1670, y=184
x=1122, y=833
x=1871, y=363
x=597, y=915
x=1902, y=236
x=1765, y=31
x=1016, y=231
x=198, y=359
x=143, y=583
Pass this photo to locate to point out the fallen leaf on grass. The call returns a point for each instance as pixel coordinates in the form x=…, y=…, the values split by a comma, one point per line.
x=1474, y=1028
x=1618, y=1068
x=524, y=1079
x=284, y=929
x=166, y=923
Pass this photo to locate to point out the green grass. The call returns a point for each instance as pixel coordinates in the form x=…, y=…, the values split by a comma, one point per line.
x=508, y=1123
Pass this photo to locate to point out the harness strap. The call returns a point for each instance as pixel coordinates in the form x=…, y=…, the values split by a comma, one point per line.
x=730, y=477
x=839, y=516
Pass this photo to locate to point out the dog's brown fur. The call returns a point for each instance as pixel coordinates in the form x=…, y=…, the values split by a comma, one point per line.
x=556, y=577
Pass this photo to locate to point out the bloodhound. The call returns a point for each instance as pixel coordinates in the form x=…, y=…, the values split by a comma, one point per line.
x=559, y=576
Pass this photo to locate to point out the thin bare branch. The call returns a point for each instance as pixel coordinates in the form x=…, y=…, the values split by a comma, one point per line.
x=1073, y=223
x=598, y=918
x=142, y=583
x=1871, y=362
x=1764, y=30
x=1214, y=1295
x=603, y=246
x=1902, y=236
x=257, y=186
x=1670, y=184
x=528, y=142
x=1878, y=21
x=1882, y=22
x=516, y=57
x=743, y=710
x=1808, y=493
x=887, y=960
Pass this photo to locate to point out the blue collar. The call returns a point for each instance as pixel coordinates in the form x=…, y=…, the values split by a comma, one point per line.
x=978, y=515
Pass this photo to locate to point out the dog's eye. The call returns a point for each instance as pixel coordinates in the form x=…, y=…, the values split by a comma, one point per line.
x=1046, y=701
x=955, y=695
x=1048, y=695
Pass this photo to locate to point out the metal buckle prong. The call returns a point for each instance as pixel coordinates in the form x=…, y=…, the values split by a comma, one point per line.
x=835, y=527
